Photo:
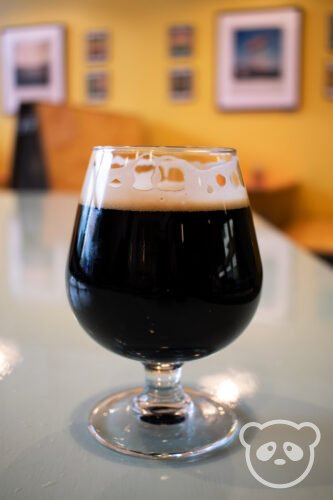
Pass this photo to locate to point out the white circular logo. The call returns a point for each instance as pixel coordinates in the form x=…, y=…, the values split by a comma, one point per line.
x=281, y=453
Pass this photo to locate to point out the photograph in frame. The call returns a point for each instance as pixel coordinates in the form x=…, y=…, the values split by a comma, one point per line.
x=181, y=84
x=330, y=32
x=33, y=65
x=258, y=59
x=329, y=81
x=97, y=46
x=181, y=41
x=97, y=86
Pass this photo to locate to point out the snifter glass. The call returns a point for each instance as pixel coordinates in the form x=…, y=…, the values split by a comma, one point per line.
x=163, y=268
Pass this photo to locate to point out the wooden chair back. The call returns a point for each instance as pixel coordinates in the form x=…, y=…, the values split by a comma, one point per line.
x=69, y=134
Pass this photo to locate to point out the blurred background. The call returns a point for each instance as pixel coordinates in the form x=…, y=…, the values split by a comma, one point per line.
x=155, y=72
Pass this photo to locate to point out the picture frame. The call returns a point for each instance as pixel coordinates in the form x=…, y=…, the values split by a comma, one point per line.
x=330, y=32
x=181, y=41
x=97, y=86
x=33, y=65
x=181, y=83
x=329, y=80
x=259, y=59
x=97, y=48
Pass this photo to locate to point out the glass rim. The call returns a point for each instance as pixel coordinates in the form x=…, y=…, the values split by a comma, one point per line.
x=170, y=149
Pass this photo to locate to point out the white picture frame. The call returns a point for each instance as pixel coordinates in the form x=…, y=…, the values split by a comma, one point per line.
x=258, y=59
x=33, y=65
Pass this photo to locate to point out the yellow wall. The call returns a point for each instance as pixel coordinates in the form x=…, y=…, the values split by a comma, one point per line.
x=299, y=142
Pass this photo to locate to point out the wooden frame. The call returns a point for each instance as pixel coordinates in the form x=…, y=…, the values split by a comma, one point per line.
x=258, y=59
x=33, y=66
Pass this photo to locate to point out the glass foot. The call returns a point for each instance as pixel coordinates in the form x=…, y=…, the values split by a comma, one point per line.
x=207, y=426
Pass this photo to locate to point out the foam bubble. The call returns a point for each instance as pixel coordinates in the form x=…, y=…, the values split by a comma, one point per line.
x=154, y=182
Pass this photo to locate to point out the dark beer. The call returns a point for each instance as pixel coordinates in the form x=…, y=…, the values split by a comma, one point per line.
x=164, y=286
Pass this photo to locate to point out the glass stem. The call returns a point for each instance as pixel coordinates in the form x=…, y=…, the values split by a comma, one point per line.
x=163, y=400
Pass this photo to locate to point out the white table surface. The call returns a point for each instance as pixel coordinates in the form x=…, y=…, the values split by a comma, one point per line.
x=51, y=373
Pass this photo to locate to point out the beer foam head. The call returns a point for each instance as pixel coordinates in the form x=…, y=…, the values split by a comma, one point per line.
x=163, y=179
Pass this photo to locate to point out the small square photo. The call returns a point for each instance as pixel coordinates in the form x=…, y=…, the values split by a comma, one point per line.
x=97, y=46
x=97, y=86
x=329, y=80
x=181, y=41
x=181, y=84
x=330, y=32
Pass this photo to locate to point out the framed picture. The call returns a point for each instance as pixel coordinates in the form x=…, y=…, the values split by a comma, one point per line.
x=97, y=46
x=329, y=80
x=97, y=83
x=181, y=84
x=330, y=32
x=258, y=59
x=181, y=41
x=33, y=66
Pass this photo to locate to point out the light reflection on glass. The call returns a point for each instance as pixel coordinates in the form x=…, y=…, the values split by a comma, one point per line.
x=230, y=266
x=37, y=250
x=230, y=387
x=277, y=258
x=10, y=356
